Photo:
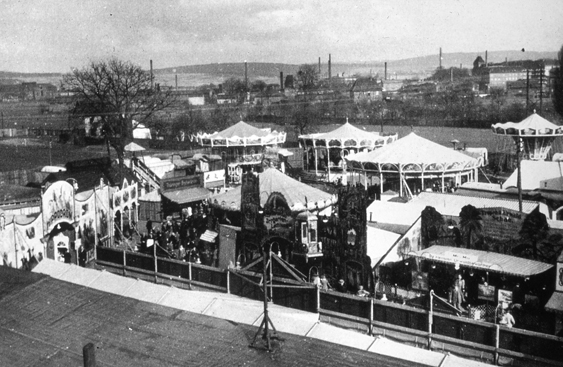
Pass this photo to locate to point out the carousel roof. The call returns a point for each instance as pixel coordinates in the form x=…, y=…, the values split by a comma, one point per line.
x=413, y=153
x=296, y=193
x=348, y=135
x=534, y=125
x=241, y=134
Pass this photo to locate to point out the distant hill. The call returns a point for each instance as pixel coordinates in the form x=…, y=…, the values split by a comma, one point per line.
x=425, y=65
x=255, y=69
x=415, y=67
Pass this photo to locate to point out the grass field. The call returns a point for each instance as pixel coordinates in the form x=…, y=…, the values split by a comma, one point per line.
x=20, y=153
x=29, y=153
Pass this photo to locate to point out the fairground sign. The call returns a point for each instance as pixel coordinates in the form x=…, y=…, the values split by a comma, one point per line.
x=57, y=204
x=179, y=183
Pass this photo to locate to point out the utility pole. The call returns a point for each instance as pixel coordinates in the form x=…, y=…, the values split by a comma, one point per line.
x=527, y=90
x=542, y=71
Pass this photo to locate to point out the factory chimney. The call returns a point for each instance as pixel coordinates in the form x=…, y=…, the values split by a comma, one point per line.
x=319, y=66
x=281, y=81
x=486, y=58
x=245, y=74
x=329, y=68
x=385, y=77
x=152, y=84
x=440, y=66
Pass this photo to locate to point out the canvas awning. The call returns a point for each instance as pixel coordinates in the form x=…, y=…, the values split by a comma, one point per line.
x=208, y=236
x=133, y=147
x=483, y=260
x=555, y=303
x=189, y=195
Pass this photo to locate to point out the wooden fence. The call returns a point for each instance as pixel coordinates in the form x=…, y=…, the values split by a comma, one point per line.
x=436, y=331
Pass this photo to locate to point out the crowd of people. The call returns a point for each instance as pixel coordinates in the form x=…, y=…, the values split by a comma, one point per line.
x=323, y=284
x=179, y=238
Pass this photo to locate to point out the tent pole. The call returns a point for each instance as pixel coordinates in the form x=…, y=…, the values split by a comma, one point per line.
x=316, y=162
x=328, y=161
x=442, y=182
x=400, y=180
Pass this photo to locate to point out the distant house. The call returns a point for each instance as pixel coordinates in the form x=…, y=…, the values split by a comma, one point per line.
x=226, y=99
x=390, y=87
x=522, y=88
x=366, y=89
x=193, y=98
x=497, y=77
x=417, y=90
x=27, y=92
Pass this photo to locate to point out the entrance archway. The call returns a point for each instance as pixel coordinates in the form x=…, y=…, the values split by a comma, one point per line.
x=60, y=243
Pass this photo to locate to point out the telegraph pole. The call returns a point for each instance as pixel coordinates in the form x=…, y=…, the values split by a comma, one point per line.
x=527, y=90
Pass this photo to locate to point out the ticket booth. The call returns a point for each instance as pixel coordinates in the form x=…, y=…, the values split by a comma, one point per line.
x=307, y=234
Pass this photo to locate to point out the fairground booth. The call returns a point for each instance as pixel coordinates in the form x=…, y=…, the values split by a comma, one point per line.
x=70, y=224
x=241, y=146
x=413, y=164
x=305, y=203
x=325, y=152
x=492, y=280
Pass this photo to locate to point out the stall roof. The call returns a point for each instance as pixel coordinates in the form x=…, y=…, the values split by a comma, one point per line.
x=555, y=303
x=295, y=192
x=187, y=195
x=153, y=196
x=490, y=261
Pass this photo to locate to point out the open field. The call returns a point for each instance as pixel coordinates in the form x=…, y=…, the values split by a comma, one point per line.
x=29, y=153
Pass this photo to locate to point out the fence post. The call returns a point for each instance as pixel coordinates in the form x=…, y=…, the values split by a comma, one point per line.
x=430, y=319
x=318, y=299
x=497, y=342
x=124, y=263
x=371, y=316
x=190, y=271
x=228, y=281
x=89, y=355
x=155, y=263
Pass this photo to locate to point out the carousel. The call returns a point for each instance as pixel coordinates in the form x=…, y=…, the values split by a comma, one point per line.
x=535, y=134
x=414, y=162
x=241, y=145
x=325, y=151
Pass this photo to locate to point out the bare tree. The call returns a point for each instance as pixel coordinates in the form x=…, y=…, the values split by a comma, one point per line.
x=121, y=94
x=307, y=76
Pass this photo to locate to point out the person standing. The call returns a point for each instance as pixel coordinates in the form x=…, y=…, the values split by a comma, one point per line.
x=458, y=293
x=507, y=319
x=325, y=286
x=341, y=286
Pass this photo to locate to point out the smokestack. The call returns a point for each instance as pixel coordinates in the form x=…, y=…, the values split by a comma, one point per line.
x=281, y=81
x=385, y=78
x=440, y=67
x=486, y=58
x=329, y=68
x=245, y=74
x=452, y=74
x=152, y=84
x=460, y=66
x=319, y=66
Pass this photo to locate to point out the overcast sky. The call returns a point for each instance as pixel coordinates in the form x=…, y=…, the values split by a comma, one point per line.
x=56, y=35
